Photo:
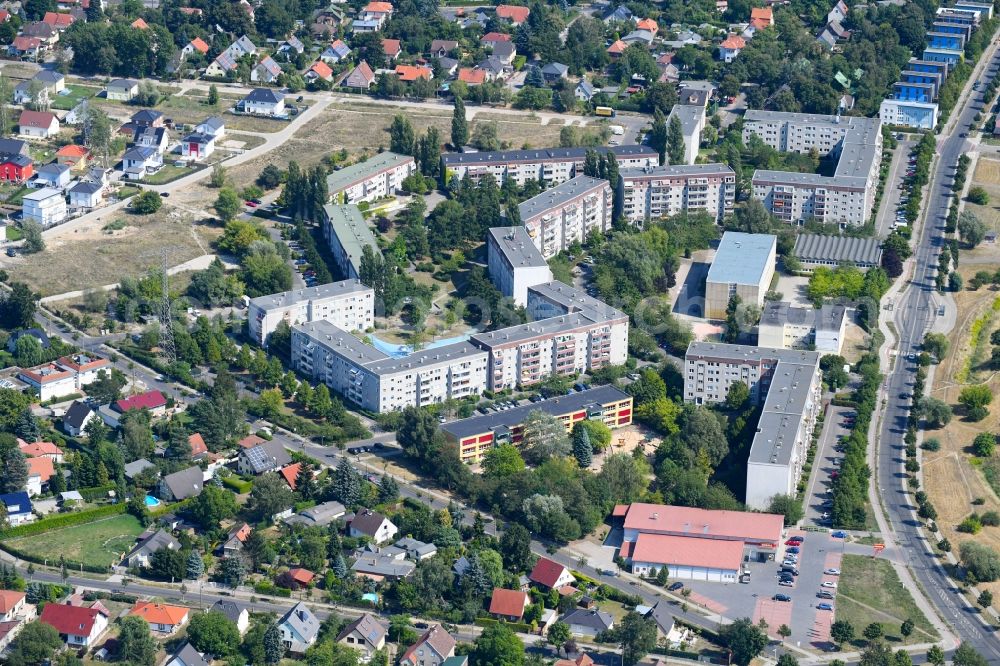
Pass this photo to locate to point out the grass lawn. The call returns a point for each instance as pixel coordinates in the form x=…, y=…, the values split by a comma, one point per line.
x=76, y=95
x=168, y=173
x=868, y=583
x=99, y=543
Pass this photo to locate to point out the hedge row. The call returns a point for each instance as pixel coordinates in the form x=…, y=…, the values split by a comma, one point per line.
x=265, y=587
x=96, y=493
x=242, y=486
x=165, y=508
x=63, y=520
x=71, y=565
x=519, y=627
x=615, y=594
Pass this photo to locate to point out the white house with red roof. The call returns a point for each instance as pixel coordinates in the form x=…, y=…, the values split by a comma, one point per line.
x=431, y=649
x=508, y=604
x=11, y=604
x=550, y=574
x=37, y=124
x=731, y=47
x=40, y=450
x=695, y=544
x=151, y=400
x=49, y=381
x=377, y=12
x=77, y=626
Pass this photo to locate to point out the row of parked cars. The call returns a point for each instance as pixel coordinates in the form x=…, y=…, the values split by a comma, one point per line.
x=904, y=197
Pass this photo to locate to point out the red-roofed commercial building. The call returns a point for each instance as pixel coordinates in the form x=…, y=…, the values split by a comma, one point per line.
x=508, y=604
x=513, y=13
x=151, y=400
x=699, y=544
x=77, y=626
x=550, y=574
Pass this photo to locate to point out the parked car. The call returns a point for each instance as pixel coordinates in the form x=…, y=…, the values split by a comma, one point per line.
x=839, y=534
x=823, y=594
x=826, y=607
x=781, y=597
x=829, y=583
x=675, y=586
x=831, y=572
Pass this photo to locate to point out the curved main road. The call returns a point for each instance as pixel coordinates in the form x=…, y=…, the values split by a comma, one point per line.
x=914, y=312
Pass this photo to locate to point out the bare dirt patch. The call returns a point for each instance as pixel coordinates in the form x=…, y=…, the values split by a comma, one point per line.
x=91, y=257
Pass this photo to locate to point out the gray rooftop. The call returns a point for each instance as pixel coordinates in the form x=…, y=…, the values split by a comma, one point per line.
x=560, y=195
x=352, y=231
x=381, y=565
x=678, y=170
x=428, y=357
x=517, y=246
x=543, y=155
x=288, y=298
x=690, y=116
x=341, y=342
x=185, y=483
x=319, y=515
x=814, y=179
x=302, y=620
x=229, y=608
x=348, y=176
x=827, y=318
x=742, y=258
x=476, y=425
x=136, y=467
x=811, y=248
x=574, y=301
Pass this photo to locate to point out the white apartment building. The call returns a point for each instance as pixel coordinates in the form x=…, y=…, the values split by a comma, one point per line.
x=46, y=206
x=349, y=305
x=567, y=213
x=347, y=233
x=377, y=177
x=743, y=266
x=848, y=196
x=661, y=191
x=692, y=119
x=66, y=376
x=571, y=333
x=553, y=165
x=784, y=326
x=909, y=113
x=515, y=263
x=379, y=382
x=788, y=383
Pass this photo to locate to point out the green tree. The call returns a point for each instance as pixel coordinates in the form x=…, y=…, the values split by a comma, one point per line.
x=936, y=344
x=744, y=639
x=985, y=599
x=227, y=204
x=502, y=461
x=842, y=631
x=543, y=436
x=583, y=450
x=33, y=240
x=212, y=506
x=231, y=571
x=936, y=413
x=515, y=547
x=36, y=643
x=935, y=655
x=789, y=506
x=12, y=464
x=675, y=141
x=876, y=653
x=636, y=635
x=978, y=195
x=873, y=631
x=738, y=395
x=273, y=648
x=213, y=95
x=497, y=644
x=657, y=136
x=214, y=633
x=270, y=495
x=971, y=229
x=17, y=307
x=27, y=425
x=906, y=628
x=966, y=655
x=980, y=560
x=135, y=643
x=195, y=566
x=459, y=125
x=146, y=203
x=558, y=634
x=401, y=135
x=975, y=399
x=984, y=444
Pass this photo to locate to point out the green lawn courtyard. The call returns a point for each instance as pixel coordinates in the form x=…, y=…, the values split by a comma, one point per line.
x=100, y=543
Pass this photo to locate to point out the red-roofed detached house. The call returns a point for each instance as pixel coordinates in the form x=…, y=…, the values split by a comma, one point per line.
x=151, y=400
x=513, y=13
x=508, y=604
x=550, y=574
x=77, y=626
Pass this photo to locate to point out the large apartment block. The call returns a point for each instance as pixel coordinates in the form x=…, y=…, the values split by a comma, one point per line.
x=381, y=383
x=377, y=177
x=787, y=383
x=348, y=304
x=567, y=213
x=515, y=263
x=661, y=191
x=743, y=266
x=552, y=165
x=347, y=233
x=847, y=197
x=571, y=333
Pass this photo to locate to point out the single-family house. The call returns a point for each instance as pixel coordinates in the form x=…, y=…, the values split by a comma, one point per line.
x=15, y=168
x=263, y=102
x=86, y=194
x=40, y=470
x=46, y=206
x=148, y=543
x=361, y=77
x=494, y=68
x=516, y=14
x=508, y=604
x=196, y=45
x=409, y=73
x=472, y=76
x=222, y=65
x=505, y=52
x=213, y=125
x=76, y=418
x=448, y=66
x=139, y=24
x=381, y=564
x=48, y=35
x=320, y=515
x=198, y=447
x=162, y=618
x=377, y=12
x=617, y=13
x=197, y=146
x=140, y=161
x=122, y=90
x=554, y=71
x=588, y=622
x=25, y=47
x=70, y=498
x=187, y=656
x=299, y=629
x=443, y=47
x=431, y=649
x=374, y=525
x=265, y=457
x=237, y=536
x=36, y=333
x=335, y=52
x=290, y=473
x=146, y=118
x=319, y=70
x=415, y=549
x=584, y=91
x=266, y=71
x=41, y=450
x=236, y=613
x=461, y=565
x=37, y=124
x=48, y=81
x=550, y=574
x=366, y=635
x=296, y=578
x=58, y=20
x=491, y=39
x=292, y=45
x=150, y=400
x=761, y=17
x=156, y=138
x=392, y=48
x=73, y=156
x=52, y=175
x=137, y=467
x=9, y=630
x=79, y=627
x=731, y=47
x=582, y=659
x=11, y=604
x=19, y=509
x=181, y=485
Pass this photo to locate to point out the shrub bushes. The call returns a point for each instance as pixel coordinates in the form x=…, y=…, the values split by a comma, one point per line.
x=63, y=520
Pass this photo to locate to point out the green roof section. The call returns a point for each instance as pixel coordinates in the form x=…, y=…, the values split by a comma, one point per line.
x=339, y=181
x=348, y=229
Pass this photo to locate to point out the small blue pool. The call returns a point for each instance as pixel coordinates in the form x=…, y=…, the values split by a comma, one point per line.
x=399, y=351
x=152, y=501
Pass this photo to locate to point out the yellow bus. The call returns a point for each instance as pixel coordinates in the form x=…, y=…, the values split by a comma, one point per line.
x=605, y=111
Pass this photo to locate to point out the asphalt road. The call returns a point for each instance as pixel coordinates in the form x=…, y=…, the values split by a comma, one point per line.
x=913, y=313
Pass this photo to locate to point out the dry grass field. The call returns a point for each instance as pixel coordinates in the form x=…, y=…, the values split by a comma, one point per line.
x=987, y=176
x=93, y=257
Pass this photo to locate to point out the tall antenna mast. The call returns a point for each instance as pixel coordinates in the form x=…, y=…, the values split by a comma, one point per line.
x=167, y=346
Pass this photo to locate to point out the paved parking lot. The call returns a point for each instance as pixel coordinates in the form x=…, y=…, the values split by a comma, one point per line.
x=825, y=463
